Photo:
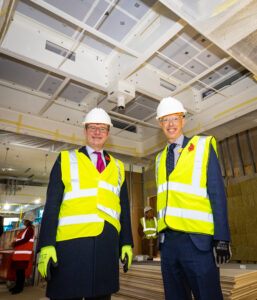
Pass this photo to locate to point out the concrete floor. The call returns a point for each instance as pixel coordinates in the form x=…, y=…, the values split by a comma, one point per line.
x=29, y=293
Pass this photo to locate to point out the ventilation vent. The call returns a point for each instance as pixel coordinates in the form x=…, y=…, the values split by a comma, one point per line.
x=60, y=51
x=167, y=85
x=125, y=126
x=229, y=81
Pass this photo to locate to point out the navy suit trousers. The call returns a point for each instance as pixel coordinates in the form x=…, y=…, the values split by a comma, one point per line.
x=185, y=268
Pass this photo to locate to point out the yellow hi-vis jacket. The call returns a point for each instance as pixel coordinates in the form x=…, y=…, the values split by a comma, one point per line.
x=89, y=197
x=149, y=227
x=182, y=202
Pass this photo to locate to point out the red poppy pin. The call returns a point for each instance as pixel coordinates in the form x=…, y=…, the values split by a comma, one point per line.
x=191, y=147
x=107, y=158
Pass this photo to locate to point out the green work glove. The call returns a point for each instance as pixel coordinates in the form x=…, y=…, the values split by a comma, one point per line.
x=47, y=259
x=126, y=257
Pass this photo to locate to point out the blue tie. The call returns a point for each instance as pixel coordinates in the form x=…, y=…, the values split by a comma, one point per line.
x=170, y=159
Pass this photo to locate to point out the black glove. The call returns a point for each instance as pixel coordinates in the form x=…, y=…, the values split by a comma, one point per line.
x=222, y=252
x=125, y=263
x=50, y=264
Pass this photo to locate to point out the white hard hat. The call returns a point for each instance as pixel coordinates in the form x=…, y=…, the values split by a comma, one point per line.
x=147, y=208
x=28, y=216
x=169, y=106
x=98, y=115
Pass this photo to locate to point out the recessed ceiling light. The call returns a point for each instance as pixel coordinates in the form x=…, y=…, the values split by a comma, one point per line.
x=6, y=206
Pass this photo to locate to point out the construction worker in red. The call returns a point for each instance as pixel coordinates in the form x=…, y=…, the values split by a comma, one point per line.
x=23, y=252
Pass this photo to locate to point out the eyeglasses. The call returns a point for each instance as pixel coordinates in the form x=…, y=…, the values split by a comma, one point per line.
x=101, y=129
x=174, y=119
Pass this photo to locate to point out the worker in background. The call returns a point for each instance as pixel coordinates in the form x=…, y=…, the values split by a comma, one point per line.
x=148, y=232
x=191, y=210
x=86, y=221
x=23, y=252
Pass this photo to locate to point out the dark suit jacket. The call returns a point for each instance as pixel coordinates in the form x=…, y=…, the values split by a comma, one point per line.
x=217, y=195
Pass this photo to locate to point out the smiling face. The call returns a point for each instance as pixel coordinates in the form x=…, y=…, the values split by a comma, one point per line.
x=172, y=126
x=96, y=135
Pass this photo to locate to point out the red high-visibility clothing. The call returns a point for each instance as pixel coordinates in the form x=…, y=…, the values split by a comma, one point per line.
x=24, y=251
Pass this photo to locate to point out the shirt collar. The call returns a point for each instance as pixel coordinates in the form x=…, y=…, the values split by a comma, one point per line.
x=179, y=141
x=91, y=150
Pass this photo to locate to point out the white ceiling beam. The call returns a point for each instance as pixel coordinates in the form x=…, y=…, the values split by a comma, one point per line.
x=84, y=26
x=28, y=124
x=6, y=13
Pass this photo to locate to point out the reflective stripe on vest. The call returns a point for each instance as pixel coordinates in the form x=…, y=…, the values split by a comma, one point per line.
x=193, y=190
x=79, y=219
x=22, y=252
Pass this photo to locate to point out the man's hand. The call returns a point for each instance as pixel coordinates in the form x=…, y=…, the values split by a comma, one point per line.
x=126, y=257
x=47, y=258
x=222, y=252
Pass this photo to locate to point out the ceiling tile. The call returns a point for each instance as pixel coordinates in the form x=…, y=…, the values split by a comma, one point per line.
x=211, y=55
x=198, y=86
x=97, y=44
x=137, y=8
x=20, y=73
x=117, y=25
x=51, y=84
x=229, y=67
x=97, y=12
x=184, y=54
x=210, y=78
x=194, y=38
x=173, y=47
x=74, y=92
x=76, y=8
x=182, y=76
x=195, y=67
x=161, y=64
x=46, y=18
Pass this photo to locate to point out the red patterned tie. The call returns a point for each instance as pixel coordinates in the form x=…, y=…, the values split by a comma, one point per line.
x=100, y=163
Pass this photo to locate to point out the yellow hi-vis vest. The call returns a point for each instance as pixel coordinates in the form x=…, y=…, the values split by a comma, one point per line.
x=89, y=197
x=182, y=202
x=149, y=227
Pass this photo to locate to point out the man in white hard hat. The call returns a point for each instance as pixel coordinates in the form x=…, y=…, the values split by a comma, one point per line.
x=192, y=210
x=86, y=221
x=148, y=232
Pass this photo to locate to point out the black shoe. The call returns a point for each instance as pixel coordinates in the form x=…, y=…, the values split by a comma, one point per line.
x=15, y=291
x=11, y=289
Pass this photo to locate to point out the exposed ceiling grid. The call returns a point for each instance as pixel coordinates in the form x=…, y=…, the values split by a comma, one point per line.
x=156, y=46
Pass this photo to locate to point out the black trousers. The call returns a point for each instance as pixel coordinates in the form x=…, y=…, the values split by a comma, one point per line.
x=20, y=279
x=108, y=297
